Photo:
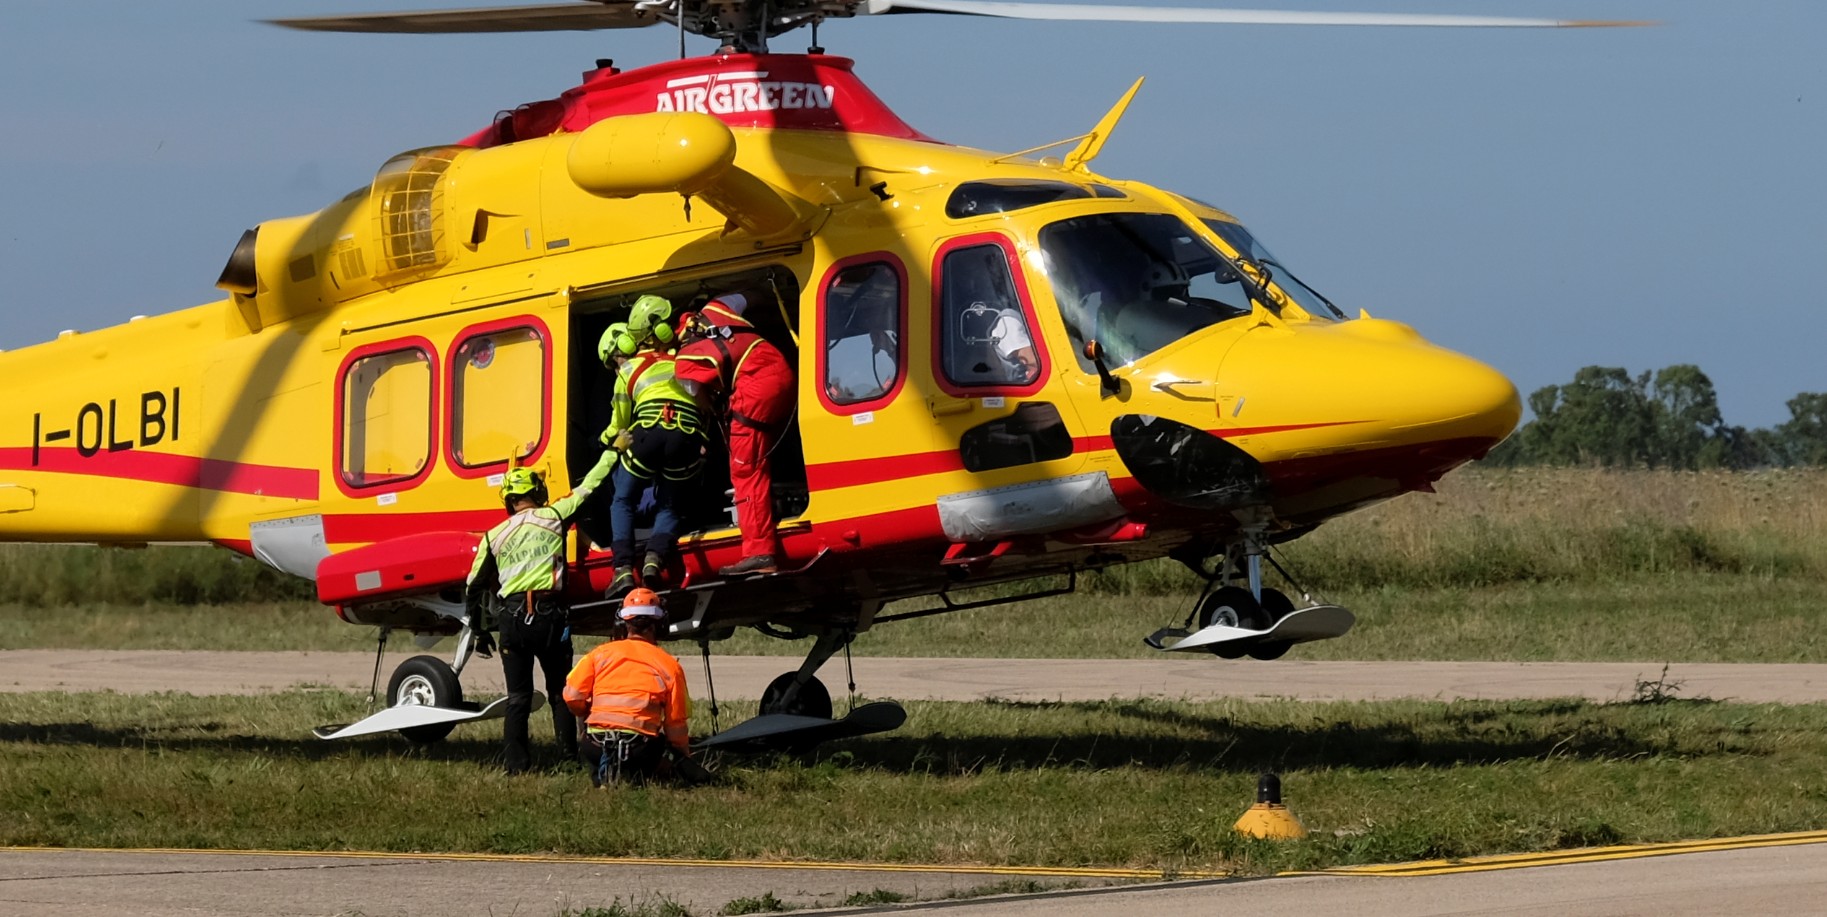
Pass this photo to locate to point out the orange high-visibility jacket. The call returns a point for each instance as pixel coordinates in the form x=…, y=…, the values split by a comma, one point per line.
x=631, y=684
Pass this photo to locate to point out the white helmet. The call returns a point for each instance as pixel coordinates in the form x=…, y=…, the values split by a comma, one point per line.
x=641, y=603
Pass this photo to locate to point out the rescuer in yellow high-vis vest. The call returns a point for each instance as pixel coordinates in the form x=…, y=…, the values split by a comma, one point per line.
x=658, y=428
x=522, y=562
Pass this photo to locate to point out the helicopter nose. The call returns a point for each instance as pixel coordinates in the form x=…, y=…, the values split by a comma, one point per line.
x=1370, y=384
x=1438, y=395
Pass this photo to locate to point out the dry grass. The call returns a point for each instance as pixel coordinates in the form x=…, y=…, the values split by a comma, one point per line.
x=1571, y=524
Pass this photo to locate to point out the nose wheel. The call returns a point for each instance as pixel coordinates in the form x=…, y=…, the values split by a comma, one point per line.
x=1237, y=616
x=1234, y=606
x=1231, y=606
x=1275, y=606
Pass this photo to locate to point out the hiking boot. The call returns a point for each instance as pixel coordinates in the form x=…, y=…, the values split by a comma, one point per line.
x=651, y=569
x=622, y=584
x=751, y=566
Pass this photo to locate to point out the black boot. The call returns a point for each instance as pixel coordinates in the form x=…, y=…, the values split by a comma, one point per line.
x=622, y=584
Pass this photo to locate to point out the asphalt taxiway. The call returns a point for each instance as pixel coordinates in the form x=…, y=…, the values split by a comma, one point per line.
x=1193, y=677
x=1776, y=876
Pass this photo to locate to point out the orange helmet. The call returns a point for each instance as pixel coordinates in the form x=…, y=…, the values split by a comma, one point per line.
x=642, y=603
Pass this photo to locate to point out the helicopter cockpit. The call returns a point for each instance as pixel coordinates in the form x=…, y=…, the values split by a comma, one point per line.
x=1138, y=282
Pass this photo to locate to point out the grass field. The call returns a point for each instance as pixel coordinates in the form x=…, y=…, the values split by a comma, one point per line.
x=1531, y=564
x=1145, y=784
x=1518, y=565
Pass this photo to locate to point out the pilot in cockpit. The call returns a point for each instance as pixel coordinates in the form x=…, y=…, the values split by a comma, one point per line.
x=994, y=320
x=1004, y=331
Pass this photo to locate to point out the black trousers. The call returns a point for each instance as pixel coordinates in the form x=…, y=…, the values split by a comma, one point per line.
x=546, y=640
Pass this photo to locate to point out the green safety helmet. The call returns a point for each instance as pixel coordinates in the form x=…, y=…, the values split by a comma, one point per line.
x=616, y=341
x=524, y=483
x=650, y=316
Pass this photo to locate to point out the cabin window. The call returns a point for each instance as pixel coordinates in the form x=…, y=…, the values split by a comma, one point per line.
x=498, y=403
x=386, y=416
x=863, y=317
x=1034, y=433
x=985, y=337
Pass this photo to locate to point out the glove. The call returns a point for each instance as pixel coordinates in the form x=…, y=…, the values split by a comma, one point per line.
x=623, y=440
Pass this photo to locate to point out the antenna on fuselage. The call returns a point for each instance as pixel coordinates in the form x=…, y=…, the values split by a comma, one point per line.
x=1088, y=148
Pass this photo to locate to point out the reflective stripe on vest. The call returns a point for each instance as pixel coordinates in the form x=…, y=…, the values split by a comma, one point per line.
x=660, y=399
x=643, y=724
x=614, y=707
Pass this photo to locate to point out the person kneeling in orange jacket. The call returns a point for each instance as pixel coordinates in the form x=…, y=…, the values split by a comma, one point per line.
x=632, y=698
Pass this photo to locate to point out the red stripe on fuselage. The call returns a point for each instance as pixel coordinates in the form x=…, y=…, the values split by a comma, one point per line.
x=858, y=472
x=353, y=528
x=165, y=468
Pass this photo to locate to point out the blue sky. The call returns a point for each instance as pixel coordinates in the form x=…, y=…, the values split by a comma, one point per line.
x=1541, y=200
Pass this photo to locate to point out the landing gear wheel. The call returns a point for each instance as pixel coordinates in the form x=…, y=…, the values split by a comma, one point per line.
x=1275, y=606
x=813, y=699
x=1234, y=607
x=425, y=681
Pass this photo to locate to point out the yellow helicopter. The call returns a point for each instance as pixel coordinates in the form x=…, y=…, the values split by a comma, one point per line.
x=346, y=413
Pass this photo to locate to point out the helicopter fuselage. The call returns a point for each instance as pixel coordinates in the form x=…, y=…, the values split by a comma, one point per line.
x=1006, y=367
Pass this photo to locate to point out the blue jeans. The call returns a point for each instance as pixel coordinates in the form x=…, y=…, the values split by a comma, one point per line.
x=628, y=489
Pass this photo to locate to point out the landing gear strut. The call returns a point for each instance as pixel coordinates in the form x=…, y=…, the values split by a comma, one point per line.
x=1235, y=620
x=801, y=693
x=796, y=709
x=424, y=698
x=430, y=682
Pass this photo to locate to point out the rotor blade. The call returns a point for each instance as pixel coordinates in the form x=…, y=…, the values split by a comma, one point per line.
x=1111, y=13
x=581, y=16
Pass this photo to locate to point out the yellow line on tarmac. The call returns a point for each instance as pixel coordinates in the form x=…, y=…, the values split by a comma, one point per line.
x=1077, y=872
x=1582, y=855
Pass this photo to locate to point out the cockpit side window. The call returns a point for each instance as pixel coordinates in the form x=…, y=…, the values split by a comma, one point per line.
x=863, y=323
x=986, y=337
x=1135, y=283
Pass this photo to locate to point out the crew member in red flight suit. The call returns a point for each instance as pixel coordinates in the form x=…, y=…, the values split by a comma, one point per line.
x=722, y=353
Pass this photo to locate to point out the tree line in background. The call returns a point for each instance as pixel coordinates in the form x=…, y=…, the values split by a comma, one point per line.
x=1666, y=419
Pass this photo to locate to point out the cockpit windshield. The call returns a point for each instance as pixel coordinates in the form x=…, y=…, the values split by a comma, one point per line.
x=1136, y=282
x=1246, y=245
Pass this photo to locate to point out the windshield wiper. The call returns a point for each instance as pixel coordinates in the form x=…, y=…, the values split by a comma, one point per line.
x=1336, y=311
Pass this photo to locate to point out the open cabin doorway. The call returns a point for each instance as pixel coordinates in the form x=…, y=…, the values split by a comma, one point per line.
x=709, y=516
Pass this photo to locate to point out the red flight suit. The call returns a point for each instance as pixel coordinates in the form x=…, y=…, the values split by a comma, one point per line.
x=759, y=383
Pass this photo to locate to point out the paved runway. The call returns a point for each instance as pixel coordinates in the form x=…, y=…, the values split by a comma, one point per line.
x=193, y=884
x=1774, y=881
x=1197, y=677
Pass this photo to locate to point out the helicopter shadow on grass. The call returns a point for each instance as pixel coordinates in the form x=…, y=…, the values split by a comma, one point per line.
x=1165, y=738
x=482, y=747
x=1129, y=734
